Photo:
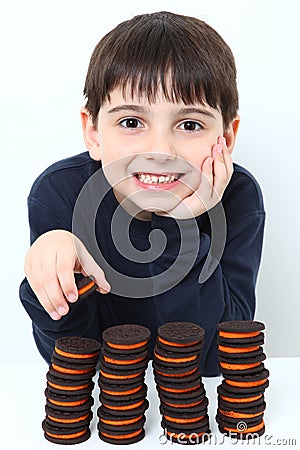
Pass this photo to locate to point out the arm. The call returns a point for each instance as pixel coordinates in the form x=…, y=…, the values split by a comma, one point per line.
x=49, y=266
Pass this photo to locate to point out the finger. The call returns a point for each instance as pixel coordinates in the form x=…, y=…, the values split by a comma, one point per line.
x=220, y=171
x=207, y=176
x=52, y=286
x=44, y=300
x=65, y=274
x=90, y=267
x=226, y=155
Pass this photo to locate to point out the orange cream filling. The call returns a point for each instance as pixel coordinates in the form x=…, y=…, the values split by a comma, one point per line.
x=178, y=420
x=121, y=422
x=125, y=407
x=75, y=403
x=241, y=400
x=177, y=375
x=127, y=346
x=222, y=348
x=248, y=430
x=86, y=288
x=246, y=383
x=229, y=334
x=76, y=355
x=66, y=436
x=176, y=360
x=122, y=436
x=238, y=415
x=179, y=390
x=130, y=391
x=183, y=405
x=119, y=377
x=78, y=419
x=122, y=362
x=68, y=388
x=174, y=344
x=231, y=366
x=72, y=371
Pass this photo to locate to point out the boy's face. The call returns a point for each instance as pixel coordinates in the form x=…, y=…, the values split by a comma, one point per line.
x=152, y=153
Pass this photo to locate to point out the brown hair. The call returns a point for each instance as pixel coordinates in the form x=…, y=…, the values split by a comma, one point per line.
x=146, y=51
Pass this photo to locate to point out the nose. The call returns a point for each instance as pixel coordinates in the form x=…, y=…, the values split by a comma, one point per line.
x=161, y=147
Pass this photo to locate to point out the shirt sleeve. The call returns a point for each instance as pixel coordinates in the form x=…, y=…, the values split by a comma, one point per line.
x=82, y=317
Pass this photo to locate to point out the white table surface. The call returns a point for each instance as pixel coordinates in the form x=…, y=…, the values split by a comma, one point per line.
x=22, y=411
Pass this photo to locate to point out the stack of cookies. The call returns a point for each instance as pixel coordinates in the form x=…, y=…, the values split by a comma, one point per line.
x=241, y=402
x=183, y=402
x=124, y=359
x=69, y=389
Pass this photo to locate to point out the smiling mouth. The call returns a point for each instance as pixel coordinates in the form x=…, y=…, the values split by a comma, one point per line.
x=156, y=179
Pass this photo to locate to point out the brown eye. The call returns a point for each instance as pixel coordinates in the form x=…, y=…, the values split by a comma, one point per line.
x=130, y=123
x=190, y=125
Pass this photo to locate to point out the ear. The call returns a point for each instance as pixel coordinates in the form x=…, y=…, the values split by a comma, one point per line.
x=90, y=134
x=231, y=132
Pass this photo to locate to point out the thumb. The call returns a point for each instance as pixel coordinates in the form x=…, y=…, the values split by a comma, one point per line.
x=88, y=266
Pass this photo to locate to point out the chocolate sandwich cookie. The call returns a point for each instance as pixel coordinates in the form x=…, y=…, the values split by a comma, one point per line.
x=68, y=419
x=122, y=437
x=194, y=375
x=192, y=435
x=120, y=389
x=74, y=392
x=127, y=424
x=60, y=435
x=247, y=381
x=112, y=374
x=112, y=419
x=240, y=414
x=236, y=403
x=69, y=368
x=67, y=404
x=183, y=404
x=257, y=339
x=174, y=371
x=80, y=375
x=259, y=388
x=222, y=419
x=171, y=359
x=243, y=432
x=126, y=408
x=241, y=368
x=76, y=349
x=180, y=334
x=117, y=400
x=123, y=360
x=248, y=327
x=82, y=420
x=85, y=287
x=68, y=385
x=239, y=352
x=179, y=388
x=127, y=337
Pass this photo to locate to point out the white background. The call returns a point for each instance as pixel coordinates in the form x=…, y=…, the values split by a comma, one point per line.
x=45, y=50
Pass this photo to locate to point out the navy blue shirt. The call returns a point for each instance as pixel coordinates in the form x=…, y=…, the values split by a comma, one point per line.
x=140, y=292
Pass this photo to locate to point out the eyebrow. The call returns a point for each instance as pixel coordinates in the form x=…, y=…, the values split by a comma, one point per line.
x=143, y=110
x=194, y=110
x=135, y=108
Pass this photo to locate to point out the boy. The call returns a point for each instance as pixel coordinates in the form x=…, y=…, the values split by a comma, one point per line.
x=155, y=200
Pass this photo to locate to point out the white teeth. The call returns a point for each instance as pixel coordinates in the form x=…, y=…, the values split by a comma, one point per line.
x=153, y=179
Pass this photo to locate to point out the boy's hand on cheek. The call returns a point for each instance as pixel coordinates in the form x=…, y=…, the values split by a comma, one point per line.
x=216, y=172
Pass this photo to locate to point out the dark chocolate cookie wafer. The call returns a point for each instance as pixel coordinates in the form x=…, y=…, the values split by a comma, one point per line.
x=85, y=287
